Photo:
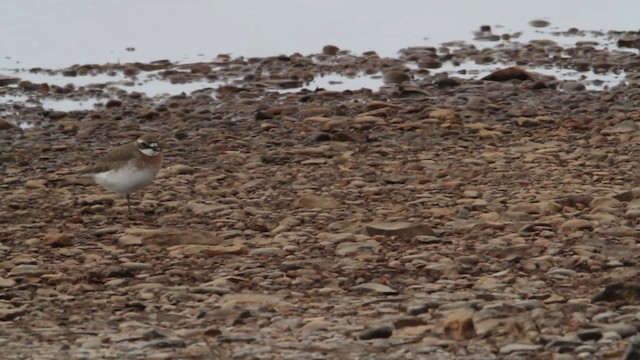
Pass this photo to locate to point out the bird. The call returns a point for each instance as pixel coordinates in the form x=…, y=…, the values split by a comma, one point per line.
x=129, y=167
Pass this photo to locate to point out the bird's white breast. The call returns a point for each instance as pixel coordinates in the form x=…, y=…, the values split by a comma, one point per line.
x=127, y=179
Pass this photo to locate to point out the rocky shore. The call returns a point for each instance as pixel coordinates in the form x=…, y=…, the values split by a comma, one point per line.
x=437, y=217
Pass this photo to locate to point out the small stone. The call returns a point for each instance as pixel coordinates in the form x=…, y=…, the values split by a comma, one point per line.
x=380, y=332
x=6, y=283
x=91, y=344
x=605, y=202
x=68, y=126
x=113, y=103
x=623, y=127
x=198, y=208
x=442, y=83
x=6, y=125
x=35, y=183
x=108, y=230
x=629, y=292
x=137, y=266
x=11, y=314
x=430, y=239
x=507, y=74
x=26, y=270
x=589, y=334
x=443, y=114
x=376, y=104
x=315, y=161
x=320, y=202
x=401, y=230
x=267, y=252
x=395, y=179
x=129, y=240
x=104, y=199
x=409, y=322
x=7, y=80
x=395, y=77
x=57, y=239
x=211, y=251
x=624, y=330
x=374, y=288
x=527, y=122
x=423, y=308
x=561, y=273
x=539, y=23
x=115, y=283
x=459, y=325
x=577, y=224
x=611, y=336
x=573, y=86
x=633, y=213
x=350, y=248
x=511, y=348
x=180, y=169
x=330, y=50
x=27, y=85
x=131, y=71
x=70, y=72
x=590, y=349
x=316, y=325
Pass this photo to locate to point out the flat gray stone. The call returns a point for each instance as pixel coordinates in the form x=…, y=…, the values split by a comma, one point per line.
x=508, y=349
x=374, y=288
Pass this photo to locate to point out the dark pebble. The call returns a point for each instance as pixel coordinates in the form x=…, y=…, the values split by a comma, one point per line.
x=381, y=332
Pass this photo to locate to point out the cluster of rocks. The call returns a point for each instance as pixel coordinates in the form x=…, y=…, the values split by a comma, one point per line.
x=434, y=218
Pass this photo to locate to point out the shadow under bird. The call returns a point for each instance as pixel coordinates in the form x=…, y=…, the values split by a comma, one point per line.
x=128, y=168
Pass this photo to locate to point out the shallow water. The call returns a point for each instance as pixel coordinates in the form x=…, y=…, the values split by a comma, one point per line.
x=59, y=33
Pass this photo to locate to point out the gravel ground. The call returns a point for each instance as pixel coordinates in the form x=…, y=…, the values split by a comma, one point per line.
x=437, y=217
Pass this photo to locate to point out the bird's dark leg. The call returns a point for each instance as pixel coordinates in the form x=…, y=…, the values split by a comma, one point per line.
x=129, y=203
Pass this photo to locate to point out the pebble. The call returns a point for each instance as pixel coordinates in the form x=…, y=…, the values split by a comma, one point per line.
x=349, y=248
x=6, y=283
x=403, y=230
x=55, y=238
x=270, y=252
x=129, y=240
x=381, y=332
x=26, y=269
x=316, y=325
x=374, y=288
x=511, y=348
x=137, y=266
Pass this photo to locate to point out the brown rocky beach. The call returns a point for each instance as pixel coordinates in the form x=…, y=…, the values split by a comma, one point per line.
x=439, y=215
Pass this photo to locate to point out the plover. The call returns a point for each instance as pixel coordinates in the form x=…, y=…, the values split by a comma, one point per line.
x=128, y=168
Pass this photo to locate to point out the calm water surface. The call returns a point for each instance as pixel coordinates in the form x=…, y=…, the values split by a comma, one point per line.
x=58, y=33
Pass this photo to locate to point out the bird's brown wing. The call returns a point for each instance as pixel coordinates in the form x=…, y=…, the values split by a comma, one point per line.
x=113, y=159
